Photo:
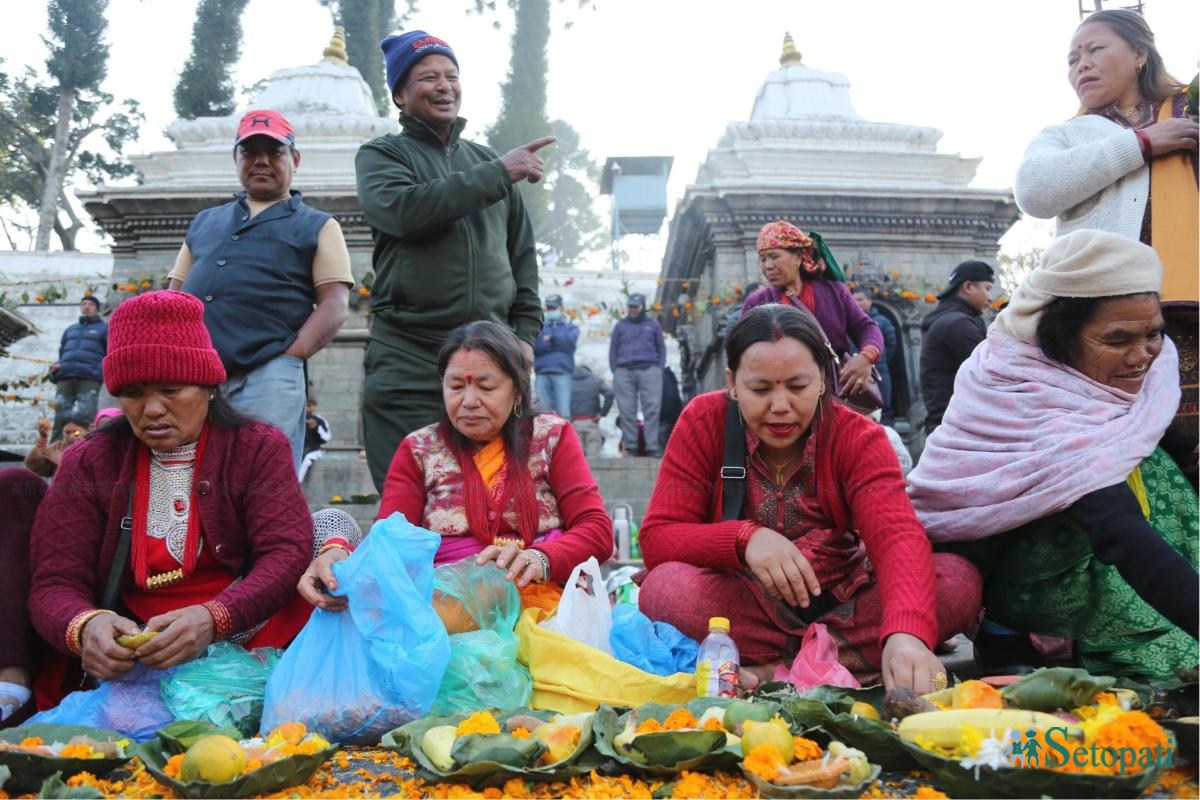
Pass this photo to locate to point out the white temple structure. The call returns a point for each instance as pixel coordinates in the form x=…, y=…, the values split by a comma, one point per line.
x=880, y=193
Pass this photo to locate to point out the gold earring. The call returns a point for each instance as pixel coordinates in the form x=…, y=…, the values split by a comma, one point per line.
x=517, y=410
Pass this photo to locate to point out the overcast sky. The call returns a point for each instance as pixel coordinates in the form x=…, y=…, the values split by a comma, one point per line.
x=664, y=77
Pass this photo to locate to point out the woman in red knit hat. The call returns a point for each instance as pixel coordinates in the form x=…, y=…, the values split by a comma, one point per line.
x=181, y=516
x=776, y=508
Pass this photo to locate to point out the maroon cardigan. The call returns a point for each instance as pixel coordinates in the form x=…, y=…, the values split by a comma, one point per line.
x=255, y=519
x=858, y=484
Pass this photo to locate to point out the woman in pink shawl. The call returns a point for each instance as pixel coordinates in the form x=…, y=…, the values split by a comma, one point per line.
x=1053, y=471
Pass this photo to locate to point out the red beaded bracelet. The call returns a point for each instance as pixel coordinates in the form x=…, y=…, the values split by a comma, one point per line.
x=1144, y=143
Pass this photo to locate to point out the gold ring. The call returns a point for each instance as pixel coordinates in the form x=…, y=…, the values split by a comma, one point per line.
x=939, y=681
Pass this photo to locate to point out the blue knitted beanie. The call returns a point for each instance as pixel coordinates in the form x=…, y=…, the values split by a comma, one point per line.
x=402, y=51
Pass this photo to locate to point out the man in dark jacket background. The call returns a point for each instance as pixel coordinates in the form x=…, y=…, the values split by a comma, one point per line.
x=591, y=400
x=637, y=355
x=950, y=332
x=77, y=374
x=554, y=358
x=453, y=242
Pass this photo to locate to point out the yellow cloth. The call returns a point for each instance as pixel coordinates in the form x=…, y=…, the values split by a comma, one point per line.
x=1139, y=491
x=1173, y=220
x=490, y=461
x=572, y=678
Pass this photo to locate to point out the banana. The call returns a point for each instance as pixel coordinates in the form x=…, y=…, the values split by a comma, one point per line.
x=944, y=728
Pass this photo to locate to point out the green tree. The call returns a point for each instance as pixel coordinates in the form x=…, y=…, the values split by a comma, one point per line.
x=205, y=87
x=523, y=116
x=572, y=226
x=367, y=22
x=44, y=123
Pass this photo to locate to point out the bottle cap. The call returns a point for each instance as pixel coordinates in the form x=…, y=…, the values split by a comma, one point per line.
x=720, y=624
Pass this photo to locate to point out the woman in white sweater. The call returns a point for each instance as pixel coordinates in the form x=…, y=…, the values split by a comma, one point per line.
x=1097, y=170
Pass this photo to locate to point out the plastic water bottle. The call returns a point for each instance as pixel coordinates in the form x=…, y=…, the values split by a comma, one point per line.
x=621, y=532
x=635, y=544
x=718, y=663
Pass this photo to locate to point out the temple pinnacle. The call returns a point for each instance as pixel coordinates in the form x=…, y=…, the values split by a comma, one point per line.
x=790, y=54
x=336, y=51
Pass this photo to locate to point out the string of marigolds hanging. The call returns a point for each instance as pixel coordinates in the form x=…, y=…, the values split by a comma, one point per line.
x=142, y=284
x=36, y=400
x=30, y=382
x=48, y=294
x=360, y=293
x=16, y=357
x=895, y=287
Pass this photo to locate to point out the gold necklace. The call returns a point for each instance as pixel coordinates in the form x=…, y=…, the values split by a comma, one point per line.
x=779, y=468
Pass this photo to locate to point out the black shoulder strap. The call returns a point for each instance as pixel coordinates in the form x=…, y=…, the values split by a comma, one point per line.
x=120, y=557
x=733, y=469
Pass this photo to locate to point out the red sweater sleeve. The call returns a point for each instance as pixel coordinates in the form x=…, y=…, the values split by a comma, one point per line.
x=279, y=532
x=679, y=523
x=404, y=486
x=866, y=470
x=65, y=546
x=587, y=529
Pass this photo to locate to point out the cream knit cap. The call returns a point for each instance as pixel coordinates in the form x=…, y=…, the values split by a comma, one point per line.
x=1084, y=263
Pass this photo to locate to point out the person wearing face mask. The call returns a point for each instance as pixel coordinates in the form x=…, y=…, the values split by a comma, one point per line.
x=1127, y=164
x=771, y=502
x=1053, y=469
x=554, y=358
x=453, y=241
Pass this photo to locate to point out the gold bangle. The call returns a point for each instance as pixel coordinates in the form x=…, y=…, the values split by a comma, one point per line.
x=75, y=629
x=325, y=549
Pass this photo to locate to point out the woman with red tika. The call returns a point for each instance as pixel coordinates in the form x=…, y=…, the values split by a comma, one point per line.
x=181, y=516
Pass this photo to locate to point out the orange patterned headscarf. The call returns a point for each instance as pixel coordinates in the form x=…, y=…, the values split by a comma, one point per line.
x=784, y=235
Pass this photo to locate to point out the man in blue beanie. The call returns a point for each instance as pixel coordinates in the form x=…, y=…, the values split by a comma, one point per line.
x=453, y=242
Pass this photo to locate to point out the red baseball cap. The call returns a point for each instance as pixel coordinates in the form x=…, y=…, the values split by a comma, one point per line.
x=265, y=123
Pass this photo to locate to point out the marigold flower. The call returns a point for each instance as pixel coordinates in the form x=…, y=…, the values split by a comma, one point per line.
x=929, y=793
x=765, y=762
x=806, y=749
x=173, y=764
x=76, y=751
x=479, y=722
x=713, y=724
x=681, y=720
x=32, y=741
x=520, y=733
x=649, y=726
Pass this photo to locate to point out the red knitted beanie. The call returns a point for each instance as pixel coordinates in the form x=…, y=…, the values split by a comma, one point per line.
x=159, y=337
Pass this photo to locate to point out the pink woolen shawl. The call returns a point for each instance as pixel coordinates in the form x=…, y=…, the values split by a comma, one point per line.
x=1025, y=437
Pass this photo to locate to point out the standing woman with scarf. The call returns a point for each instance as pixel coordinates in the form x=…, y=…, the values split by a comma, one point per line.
x=500, y=482
x=798, y=275
x=1127, y=164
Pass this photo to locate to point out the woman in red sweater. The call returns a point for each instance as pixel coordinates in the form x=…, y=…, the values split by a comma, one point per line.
x=497, y=480
x=181, y=516
x=817, y=525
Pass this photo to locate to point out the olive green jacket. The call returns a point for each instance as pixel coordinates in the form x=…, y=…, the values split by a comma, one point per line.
x=453, y=242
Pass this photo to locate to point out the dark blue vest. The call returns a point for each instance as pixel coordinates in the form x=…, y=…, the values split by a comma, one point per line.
x=254, y=276
x=83, y=347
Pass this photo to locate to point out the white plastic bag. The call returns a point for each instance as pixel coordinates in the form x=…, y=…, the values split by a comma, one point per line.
x=584, y=613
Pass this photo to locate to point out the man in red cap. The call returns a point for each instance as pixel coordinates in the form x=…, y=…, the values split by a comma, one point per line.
x=260, y=264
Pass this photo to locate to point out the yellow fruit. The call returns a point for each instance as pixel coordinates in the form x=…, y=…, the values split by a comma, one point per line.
x=136, y=640
x=944, y=729
x=975, y=694
x=867, y=710
x=290, y=732
x=214, y=759
x=774, y=734
x=560, y=740
x=437, y=744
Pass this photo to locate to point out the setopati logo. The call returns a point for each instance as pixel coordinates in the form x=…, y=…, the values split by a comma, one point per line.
x=1056, y=749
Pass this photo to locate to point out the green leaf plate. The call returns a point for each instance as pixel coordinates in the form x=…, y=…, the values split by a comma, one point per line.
x=767, y=789
x=179, y=736
x=29, y=770
x=492, y=759
x=273, y=777
x=1052, y=688
x=669, y=752
x=56, y=787
x=828, y=708
x=1016, y=782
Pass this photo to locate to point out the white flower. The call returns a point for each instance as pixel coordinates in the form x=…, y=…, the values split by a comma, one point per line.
x=993, y=752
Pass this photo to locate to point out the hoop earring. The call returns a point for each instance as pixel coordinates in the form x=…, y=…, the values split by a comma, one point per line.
x=517, y=410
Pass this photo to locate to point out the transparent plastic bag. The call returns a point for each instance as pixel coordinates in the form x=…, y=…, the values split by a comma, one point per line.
x=354, y=675
x=480, y=608
x=226, y=687
x=131, y=705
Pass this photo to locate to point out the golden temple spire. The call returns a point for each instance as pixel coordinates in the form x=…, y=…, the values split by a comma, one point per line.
x=790, y=54
x=335, y=53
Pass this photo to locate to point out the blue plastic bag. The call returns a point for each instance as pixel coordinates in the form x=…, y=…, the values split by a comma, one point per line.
x=354, y=675
x=484, y=671
x=226, y=687
x=655, y=647
x=131, y=705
